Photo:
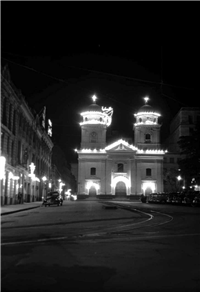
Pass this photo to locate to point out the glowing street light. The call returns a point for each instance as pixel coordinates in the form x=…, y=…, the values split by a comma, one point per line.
x=179, y=177
x=44, y=178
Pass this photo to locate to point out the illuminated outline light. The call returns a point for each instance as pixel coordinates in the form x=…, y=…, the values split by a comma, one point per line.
x=146, y=123
x=123, y=142
x=150, y=185
x=147, y=113
x=117, y=143
x=121, y=178
x=93, y=122
x=84, y=150
x=90, y=184
x=94, y=116
x=12, y=176
x=150, y=151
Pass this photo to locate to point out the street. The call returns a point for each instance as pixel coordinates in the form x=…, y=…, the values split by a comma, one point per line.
x=101, y=246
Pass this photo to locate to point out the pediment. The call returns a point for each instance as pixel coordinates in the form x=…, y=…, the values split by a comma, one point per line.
x=120, y=146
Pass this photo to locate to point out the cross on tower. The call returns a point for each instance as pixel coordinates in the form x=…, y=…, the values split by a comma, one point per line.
x=94, y=98
x=146, y=99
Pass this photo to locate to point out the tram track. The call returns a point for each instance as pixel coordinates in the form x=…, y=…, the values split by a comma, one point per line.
x=152, y=218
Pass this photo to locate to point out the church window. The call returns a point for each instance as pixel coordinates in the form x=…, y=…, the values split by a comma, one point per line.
x=93, y=137
x=93, y=171
x=120, y=167
x=147, y=138
x=148, y=171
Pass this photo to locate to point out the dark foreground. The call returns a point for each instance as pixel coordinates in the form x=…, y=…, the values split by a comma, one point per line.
x=83, y=246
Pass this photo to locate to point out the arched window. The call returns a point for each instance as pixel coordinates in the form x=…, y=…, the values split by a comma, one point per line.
x=14, y=122
x=140, y=120
x=148, y=171
x=5, y=106
x=8, y=146
x=147, y=138
x=10, y=117
x=120, y=167
x=92, y=171
x=2, y=141
x=93, y=137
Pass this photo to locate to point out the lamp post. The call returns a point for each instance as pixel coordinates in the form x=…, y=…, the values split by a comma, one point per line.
x=179, y=178
x=44, y=179
x=32, y=176
x=2, y=175
x=61, y=184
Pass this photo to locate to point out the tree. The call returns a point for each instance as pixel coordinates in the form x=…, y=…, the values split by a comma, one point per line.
x=190, y=151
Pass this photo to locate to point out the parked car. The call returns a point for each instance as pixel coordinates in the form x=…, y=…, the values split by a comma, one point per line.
x=196, y=200
x=189, y=197
x=178, y=198
x=157, y=198
x=170, y=197
x=53, y=198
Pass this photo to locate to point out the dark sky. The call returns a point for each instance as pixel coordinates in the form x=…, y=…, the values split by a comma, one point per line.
x=61, y=53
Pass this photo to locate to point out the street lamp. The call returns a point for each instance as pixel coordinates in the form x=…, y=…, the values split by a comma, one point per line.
x=44, y=179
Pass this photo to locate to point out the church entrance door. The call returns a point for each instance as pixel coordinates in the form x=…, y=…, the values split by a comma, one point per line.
x=92, y=192
x=120, y=190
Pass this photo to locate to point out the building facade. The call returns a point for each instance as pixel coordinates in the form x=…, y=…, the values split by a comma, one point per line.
x=119, y=169
x=26, y=148
x=183, y=124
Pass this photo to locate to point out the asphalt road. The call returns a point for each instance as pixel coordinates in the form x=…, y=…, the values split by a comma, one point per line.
x=91, y=246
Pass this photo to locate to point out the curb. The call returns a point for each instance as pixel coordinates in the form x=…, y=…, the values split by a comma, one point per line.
x=20, y=210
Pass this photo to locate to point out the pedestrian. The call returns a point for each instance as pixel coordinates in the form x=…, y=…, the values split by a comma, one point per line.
x=19, y=197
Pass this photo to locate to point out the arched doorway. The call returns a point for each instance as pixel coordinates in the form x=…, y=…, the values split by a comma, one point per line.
x=148, y=191
x=120, y=190
x=92, y=192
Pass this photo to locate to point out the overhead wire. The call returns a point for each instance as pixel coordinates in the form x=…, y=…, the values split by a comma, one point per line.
x=105, y=73
x=161, y=83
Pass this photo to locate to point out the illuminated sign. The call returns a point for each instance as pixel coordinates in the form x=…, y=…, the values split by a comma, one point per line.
x=49, y=131
x=2, y=167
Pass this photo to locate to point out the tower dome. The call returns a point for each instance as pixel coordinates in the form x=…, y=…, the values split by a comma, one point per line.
x=146, y=113
x=97, y=115
x=147, y=127
x=94, y=108
x=96, y=119
x=145, y=108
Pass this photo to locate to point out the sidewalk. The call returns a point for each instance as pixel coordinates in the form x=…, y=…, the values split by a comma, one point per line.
x=9, y=209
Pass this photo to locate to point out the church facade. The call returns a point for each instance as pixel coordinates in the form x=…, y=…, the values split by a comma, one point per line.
x=119, y=169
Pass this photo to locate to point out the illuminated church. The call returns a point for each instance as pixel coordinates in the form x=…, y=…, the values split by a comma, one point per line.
x=119, y=169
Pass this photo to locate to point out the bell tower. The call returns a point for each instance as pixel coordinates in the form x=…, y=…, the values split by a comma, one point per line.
x=96, y=119
x=147, y=128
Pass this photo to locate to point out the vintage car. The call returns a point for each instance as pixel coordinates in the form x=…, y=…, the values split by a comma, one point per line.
x=189, y=198
x=196, y=201
x=53, y=198
x=157, y=198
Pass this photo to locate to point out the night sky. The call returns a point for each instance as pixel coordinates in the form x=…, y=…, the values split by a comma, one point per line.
x=61, y=53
